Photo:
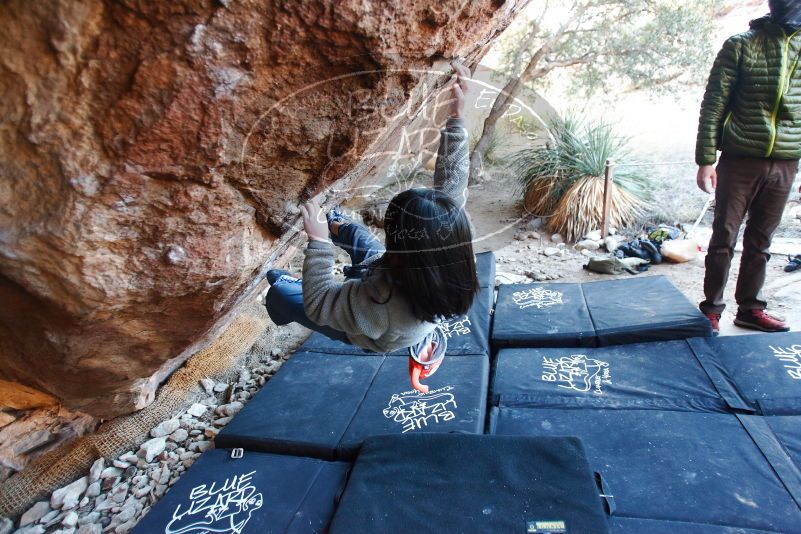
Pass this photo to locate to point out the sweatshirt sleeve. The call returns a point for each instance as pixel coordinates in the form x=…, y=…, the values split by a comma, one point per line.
x=721, y=83
x=350, y=307
x=452, y=168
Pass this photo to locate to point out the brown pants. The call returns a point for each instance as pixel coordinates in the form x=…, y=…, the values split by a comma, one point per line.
x=760, y=188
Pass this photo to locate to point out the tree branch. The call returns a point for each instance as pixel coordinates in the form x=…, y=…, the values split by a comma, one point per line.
x=512, y=89
x=542, y=71
x=656, y=82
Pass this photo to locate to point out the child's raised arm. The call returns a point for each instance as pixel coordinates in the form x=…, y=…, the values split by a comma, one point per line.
x=452, y=168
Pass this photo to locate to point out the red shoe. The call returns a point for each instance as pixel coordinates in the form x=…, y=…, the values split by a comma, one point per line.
x=714, y=318
x=759, y=320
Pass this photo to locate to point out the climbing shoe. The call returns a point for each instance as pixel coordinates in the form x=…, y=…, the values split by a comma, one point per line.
x=336, y=215
x=793, y=263
x=759, y=320
x=275, y=276
x=714, y=319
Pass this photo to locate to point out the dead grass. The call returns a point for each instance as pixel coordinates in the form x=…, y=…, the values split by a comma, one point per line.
x=581, y=208
x=538, y=199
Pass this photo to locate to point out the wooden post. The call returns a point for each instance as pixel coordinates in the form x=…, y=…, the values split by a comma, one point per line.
x=609, y=172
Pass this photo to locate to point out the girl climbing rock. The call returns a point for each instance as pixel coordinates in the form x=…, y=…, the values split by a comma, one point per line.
x=394, y=296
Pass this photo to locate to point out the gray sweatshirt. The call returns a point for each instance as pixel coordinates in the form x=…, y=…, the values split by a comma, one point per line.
x=360, y=307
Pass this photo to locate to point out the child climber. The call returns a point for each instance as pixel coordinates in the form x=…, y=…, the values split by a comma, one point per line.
x=394, y=296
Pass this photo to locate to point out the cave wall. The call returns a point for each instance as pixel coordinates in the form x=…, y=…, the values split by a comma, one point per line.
x=152, y=155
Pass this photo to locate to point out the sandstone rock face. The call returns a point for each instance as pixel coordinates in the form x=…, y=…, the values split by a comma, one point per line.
x=36, y=432
x=151, y=154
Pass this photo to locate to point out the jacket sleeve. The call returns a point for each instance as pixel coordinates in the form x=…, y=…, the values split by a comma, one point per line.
x=452, y=168
x=714, y=107
x=350, y=307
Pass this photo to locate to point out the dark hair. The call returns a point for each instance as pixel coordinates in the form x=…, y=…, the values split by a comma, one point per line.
x=429, y=256
x=785, y=12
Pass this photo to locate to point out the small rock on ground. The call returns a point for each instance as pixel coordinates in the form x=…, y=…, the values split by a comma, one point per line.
x=69, y=496
x=152, y=448
x=35, y=513
x=551, y=251
x=165, y=428
x=96, y=469
x=196, y=410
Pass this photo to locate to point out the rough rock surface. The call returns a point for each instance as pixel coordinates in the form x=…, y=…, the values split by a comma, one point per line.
x=151, y=154
x=35, y=432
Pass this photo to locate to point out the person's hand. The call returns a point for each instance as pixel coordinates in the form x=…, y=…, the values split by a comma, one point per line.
x=707, y=178
x=459, y=89
x=314, y=221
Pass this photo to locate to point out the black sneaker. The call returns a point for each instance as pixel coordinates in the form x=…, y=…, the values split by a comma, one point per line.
x=276, y=275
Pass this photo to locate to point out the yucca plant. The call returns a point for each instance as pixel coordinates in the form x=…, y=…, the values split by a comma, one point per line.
x=561, y=179
x=581, y=208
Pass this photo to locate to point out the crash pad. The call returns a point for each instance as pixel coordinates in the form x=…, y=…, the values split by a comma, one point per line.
x=256, y=493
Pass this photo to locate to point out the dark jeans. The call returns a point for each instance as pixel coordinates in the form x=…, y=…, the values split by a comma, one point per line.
x=284, y=300
x=759, y=188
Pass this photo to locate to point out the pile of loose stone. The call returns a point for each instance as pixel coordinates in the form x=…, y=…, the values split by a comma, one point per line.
x=115, y=495
x=538, y=257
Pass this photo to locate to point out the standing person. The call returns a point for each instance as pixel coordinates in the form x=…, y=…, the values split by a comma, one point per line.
x=752, y=112
x=395, y=295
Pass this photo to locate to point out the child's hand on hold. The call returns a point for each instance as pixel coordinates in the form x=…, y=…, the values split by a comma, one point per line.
x=314, y=221
x=459, y=89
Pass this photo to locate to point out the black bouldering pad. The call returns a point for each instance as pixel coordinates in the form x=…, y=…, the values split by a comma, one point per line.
x=453, y=483
x=255, y=494
x=662, y=376
x=323, y=405
x=629, y=525
x=542, y=315
x=456, y=402
x=485, y=269
x=642, y=309
x=305, y=408
x=669, y=465
x=759, y=373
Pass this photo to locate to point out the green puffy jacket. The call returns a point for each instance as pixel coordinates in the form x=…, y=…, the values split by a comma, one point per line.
x=752, y=104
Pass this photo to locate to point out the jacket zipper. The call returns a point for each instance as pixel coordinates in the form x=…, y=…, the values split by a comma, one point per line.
x=780, y=93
